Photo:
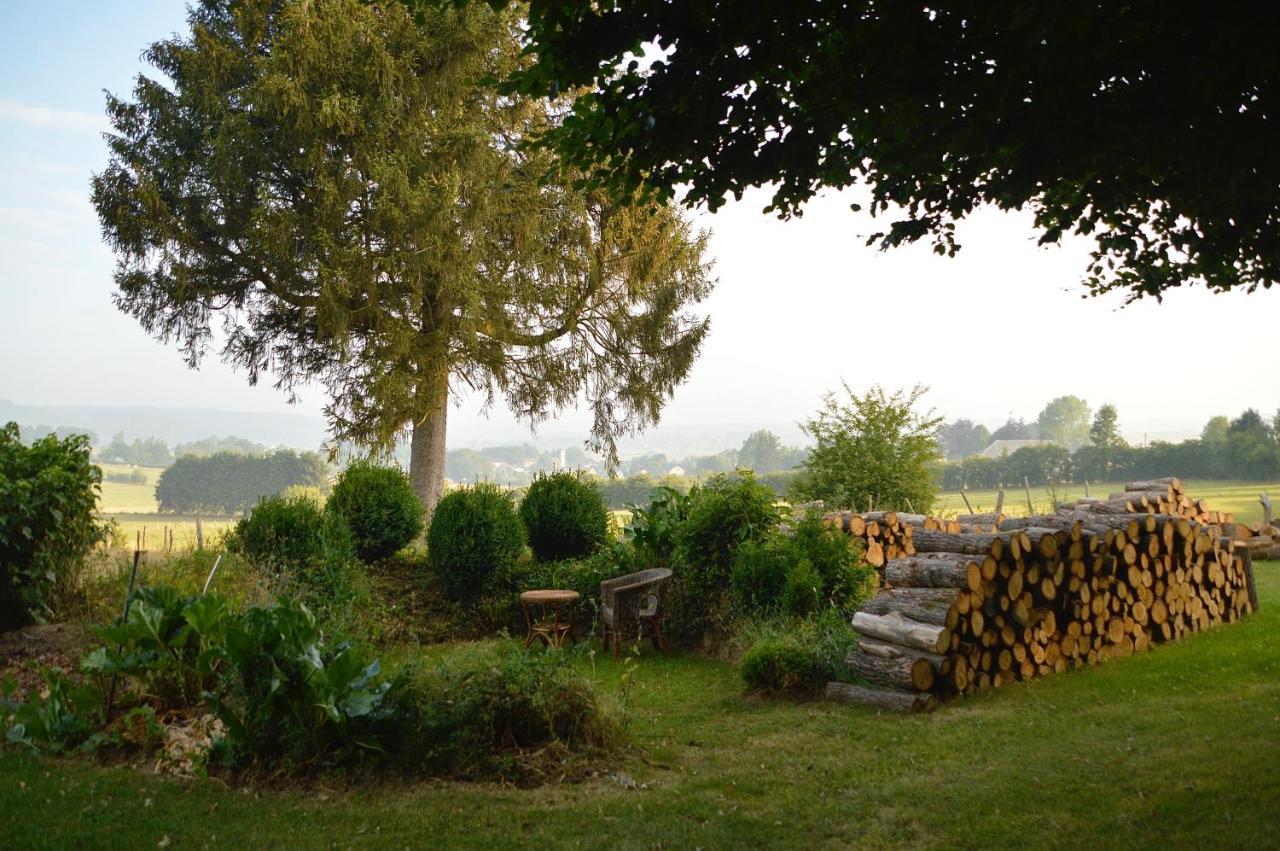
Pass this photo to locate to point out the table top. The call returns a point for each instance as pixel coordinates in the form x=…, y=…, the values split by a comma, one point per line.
x=549, y=595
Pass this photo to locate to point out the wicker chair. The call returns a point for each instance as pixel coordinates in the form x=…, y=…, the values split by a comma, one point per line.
x=632, y=605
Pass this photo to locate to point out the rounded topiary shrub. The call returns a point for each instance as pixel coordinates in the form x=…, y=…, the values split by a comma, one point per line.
x=380, y=508
x=564, y=517
x=475, y=534
x=302, y=548
x=286, y=531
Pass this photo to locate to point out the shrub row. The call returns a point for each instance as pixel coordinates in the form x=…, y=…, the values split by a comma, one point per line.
x=477, y=532
x=307, y=547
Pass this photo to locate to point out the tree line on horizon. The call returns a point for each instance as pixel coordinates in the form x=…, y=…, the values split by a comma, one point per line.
x=1246, y=447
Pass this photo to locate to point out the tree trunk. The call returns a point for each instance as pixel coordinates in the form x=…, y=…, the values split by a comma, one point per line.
x=426, y=450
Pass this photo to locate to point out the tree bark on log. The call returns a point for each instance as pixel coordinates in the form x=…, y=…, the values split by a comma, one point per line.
x=896, y=629
x=934, y=570
x=895, y=671
x=990, y=519
x=893, y=701
x=927, y=541
x=926, y=605
x=1169, y=484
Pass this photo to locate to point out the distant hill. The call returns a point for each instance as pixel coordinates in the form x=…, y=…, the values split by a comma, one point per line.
x=174, y=425
x=299, y=431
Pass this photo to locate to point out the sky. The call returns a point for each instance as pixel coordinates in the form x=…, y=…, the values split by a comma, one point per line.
x=800, y=306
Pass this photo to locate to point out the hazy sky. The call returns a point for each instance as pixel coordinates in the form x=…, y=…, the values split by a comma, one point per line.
x=800, y=305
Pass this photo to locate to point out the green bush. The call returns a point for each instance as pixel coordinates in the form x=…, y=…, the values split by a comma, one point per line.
x=166, y=646
x=62, y=718
x=653, y=529
x=475, y=536
x=760, y=575
x=778, y=664
x=564, y=517
x=786, y=654
x=719, y=517
x=379, y=506
x=305, y=550
x=802, y=590
x=48, y=498
x=768, y=579
x=291, y=699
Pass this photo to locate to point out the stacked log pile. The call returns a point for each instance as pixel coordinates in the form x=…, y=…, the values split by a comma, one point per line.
x=1154, y=496
x=886, y=535
x=975, y=609
x=1261, y=539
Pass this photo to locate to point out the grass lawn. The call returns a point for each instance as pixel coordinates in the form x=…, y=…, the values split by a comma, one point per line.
x=1179, y=747
x=1240, y=498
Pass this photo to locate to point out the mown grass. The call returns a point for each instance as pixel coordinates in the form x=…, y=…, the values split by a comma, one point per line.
x=1240, y=498
x=1174, y=748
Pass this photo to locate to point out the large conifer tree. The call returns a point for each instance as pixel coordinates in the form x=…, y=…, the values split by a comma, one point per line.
x=328, y=190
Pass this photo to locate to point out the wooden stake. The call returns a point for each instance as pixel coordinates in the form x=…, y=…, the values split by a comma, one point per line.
x=1031, y=509
x=999, y=501
x=128, y=599
x=966, y=501
x=199, y=534
x=1266, y=508
x=216, y=562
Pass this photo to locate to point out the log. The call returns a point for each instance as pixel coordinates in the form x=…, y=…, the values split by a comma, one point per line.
x=874, y=554
x=927, y=541
x=990, y=519
x=896, y=629
x=892, y=701
x=895, y=670
x=926, y=605
x=934, y=570
x=1169, y=484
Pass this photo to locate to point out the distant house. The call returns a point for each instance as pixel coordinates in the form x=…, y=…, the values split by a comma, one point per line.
x=677, y=470
x=1008, y=447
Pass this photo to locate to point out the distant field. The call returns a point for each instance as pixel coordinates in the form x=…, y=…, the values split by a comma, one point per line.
x=183, y=528
x=1240, y=498
x=134, y=508
x=118, y=498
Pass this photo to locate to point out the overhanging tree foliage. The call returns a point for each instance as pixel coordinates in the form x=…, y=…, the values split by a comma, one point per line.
x=333, y=183
x=1148, y=126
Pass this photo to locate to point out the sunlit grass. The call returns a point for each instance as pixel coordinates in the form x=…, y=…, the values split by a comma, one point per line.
x=1176, y=748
